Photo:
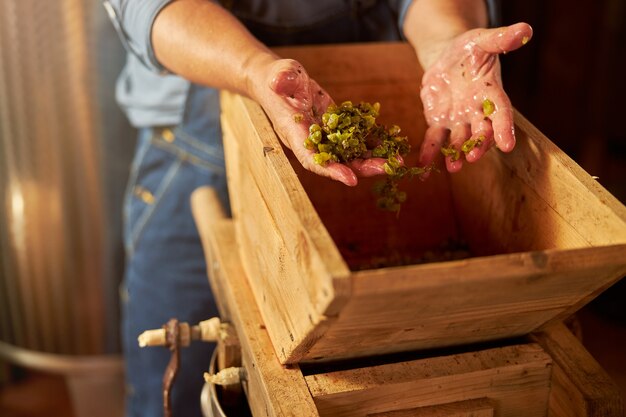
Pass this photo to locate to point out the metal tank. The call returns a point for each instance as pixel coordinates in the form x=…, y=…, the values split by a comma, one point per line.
x=64, y=153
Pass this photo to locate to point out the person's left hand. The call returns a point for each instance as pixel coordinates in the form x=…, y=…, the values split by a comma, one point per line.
x=464, y=101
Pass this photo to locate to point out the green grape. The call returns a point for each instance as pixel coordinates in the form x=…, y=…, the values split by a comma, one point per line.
x=488, y=107
x=451, y=152
x=333, y=121
x=389, y=169
x=322, y=157
x=348, y=132
x=470, y=144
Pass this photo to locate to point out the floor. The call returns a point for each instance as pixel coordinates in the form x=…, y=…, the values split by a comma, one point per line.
x=35, y=394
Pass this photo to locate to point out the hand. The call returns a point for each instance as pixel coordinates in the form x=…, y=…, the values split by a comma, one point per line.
x=454, y=88
x=293, y=101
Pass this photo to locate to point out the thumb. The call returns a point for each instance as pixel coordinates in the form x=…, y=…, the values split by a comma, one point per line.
x=504, y=39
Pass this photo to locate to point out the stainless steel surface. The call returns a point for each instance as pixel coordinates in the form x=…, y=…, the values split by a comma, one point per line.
x=58, y=267
x=96, y=365
x=209, y=400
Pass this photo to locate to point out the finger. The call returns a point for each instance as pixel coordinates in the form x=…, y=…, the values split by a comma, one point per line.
x=292, y=82
x=340, y=172
x=504, y=39
x=502, y=124
x=481, y=140
x=369, y=167
x=321, y=99
x=459, y=134
x=333, y=170
x=434, y=138
x=289, y=77
x=453, y=166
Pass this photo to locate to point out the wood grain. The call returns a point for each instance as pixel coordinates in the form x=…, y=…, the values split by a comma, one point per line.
x=482, y=407
x=516, y=378
x=534, y=198
x=466, y=301
x=580, y=387
x=272, y=389
x=299, y=278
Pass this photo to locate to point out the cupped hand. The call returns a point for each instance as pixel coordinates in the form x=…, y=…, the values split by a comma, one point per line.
x=454, y=90
x=293, y=101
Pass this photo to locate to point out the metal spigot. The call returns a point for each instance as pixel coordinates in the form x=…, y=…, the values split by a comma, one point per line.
x=208, y=331
x=174, y=335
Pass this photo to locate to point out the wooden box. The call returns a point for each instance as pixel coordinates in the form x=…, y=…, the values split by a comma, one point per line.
x=548, y=373
x=336, y=278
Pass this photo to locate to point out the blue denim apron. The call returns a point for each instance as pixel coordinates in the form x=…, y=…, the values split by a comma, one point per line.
x=166, y=272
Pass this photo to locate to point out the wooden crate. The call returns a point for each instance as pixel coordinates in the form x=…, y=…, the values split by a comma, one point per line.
x=546, y=374
x=544, y=238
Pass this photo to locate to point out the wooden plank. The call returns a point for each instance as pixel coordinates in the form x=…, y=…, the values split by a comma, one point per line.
x=465, y=301
x=272, y=389
x=595, y=213
x=482, y=407
x=204, y=214
x=298, y=276
x=534, y=198
x=580, y=387
x=516, y=378
x=275, y=177
x=366, y=236
x=506, y=215
x=370, y=63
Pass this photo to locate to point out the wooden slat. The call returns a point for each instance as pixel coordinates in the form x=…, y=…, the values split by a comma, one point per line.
x=387, y=63
x=466, y=301
x=298, y=274
x=580, y=387
x=272, y=389
x=482, y=407
x=515, y=377
x=570, y=191
x=536, y=198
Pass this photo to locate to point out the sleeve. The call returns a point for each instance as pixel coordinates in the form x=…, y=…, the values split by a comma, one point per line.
x=133, y=21
x=493, y=11
x=401, y=6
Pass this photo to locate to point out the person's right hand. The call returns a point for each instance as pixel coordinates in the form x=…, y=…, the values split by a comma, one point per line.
x=293, y=101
